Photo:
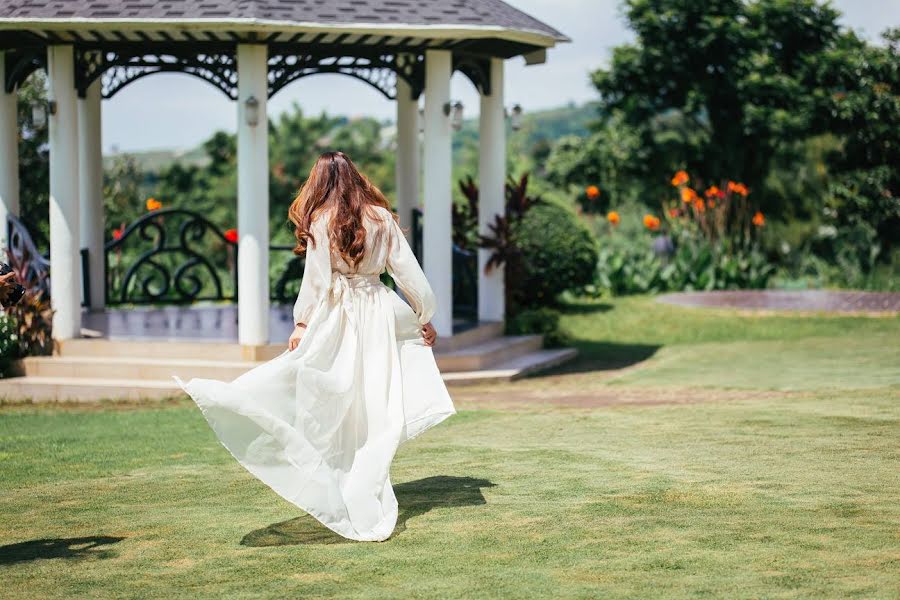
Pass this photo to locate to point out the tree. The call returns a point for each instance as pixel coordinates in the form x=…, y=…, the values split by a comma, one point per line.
x=742, y=74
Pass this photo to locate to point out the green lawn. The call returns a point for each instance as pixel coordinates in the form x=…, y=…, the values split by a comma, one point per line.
x=784, y=485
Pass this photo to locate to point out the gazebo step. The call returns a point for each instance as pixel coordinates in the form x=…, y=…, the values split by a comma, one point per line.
x=132, y=369
x=123, y=365
x=39, y=388
x=485, y=354
x=231, y=351
x=520, y=366
x=84, y=389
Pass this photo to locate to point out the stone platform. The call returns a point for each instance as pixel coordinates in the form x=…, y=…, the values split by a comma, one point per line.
x=133, y=355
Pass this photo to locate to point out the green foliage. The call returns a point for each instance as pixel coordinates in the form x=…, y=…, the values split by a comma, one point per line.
x=611, y=158
x=730, y=69
x=123, y=198
x=34, y=162
x=627, y=262
x=9, y=344
x=538, y=321
x=558, y=253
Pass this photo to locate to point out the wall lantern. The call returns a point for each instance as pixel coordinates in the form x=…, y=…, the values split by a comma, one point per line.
x=251, y=111
x=454, y=110
x=515, y=117
x=39, y=111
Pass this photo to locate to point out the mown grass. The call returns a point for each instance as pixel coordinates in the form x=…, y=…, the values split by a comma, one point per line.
x=677, y=346
x=744, y=493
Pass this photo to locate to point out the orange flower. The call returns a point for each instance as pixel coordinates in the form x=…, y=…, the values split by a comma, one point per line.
x=699, y=205
x=681, y=178
x=674, y=212
x=711, y=203
x=651, y=222
x=688, y=194
x=613, y=217
x=231, y=235
x=712, y=191
x=153, y=204
x=738, y=188
x=759, y=219
x=592, y=192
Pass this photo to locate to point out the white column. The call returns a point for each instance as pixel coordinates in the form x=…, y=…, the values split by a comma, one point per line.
x=9, y=155
x=491, y=193
x=90, y=179
x=436, y=234
x=65, y=259
x=253, y=199
x=407, y=158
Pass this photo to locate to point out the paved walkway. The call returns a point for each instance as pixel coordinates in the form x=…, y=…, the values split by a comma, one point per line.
x=805, y=300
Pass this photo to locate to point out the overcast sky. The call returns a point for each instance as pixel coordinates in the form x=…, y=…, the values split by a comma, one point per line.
x=180, y=111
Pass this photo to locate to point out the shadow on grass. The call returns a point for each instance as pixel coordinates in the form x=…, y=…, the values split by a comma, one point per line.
x=414, y=497
x=586, y=308
x=604, y=356
x=78, y=548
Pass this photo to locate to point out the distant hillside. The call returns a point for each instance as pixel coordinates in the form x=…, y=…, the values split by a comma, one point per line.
x=539, y=128
x=154, y=160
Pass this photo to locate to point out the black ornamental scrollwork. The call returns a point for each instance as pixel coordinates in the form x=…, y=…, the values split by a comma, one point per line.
x=171, y=256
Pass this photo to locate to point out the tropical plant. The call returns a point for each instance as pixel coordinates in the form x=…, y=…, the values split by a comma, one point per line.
x=29, y=330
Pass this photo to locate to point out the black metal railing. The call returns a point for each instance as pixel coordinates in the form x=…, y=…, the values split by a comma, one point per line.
x=171, y=256
x=23, y=251
x=178, y=256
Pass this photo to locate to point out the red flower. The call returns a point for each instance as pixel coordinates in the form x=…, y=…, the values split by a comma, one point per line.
x=117, y=234
x=231, y=235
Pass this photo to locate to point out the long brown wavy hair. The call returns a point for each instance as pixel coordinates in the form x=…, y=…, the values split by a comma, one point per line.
x=334, y=182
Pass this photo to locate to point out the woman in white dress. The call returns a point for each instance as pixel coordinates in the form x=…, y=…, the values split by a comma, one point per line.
x=321, y=422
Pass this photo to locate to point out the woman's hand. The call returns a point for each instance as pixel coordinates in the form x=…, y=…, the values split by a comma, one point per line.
x=296, y=336
x=429, y=334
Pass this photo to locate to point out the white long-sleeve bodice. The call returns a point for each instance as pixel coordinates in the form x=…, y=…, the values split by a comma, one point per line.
x=386, y=249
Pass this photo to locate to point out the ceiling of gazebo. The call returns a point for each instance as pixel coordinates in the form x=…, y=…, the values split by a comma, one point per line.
x=419, y=23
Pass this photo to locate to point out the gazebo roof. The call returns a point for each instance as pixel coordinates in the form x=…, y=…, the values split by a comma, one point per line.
x=422, y=19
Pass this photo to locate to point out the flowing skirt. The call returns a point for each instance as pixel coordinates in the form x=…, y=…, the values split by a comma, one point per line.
x=320, y=424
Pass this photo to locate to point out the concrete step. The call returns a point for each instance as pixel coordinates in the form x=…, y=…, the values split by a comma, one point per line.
x=468, y=358
x=520, y=366
x=487, y=353
x=232, y=351
x=143, y=369
x=40, y=388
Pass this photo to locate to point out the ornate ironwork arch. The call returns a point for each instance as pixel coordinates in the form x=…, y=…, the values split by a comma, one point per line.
x=476, y=68
x=380, y=70
x=119, y=68
x=20, y=64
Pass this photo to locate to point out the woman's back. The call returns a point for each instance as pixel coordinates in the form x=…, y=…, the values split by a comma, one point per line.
x=378, y=223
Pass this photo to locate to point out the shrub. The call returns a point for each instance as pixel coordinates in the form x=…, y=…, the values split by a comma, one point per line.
x=27, y=326
x=558, y=253
x=542, y=321
x=9, y=345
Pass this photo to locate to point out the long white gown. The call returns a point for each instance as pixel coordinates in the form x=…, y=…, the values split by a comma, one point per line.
x=320, y=424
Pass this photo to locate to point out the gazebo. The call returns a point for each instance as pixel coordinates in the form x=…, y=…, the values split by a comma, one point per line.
x=250, y=49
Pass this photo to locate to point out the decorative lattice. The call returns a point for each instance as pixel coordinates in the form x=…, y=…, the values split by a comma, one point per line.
x=118, y=69
x=378, y=70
